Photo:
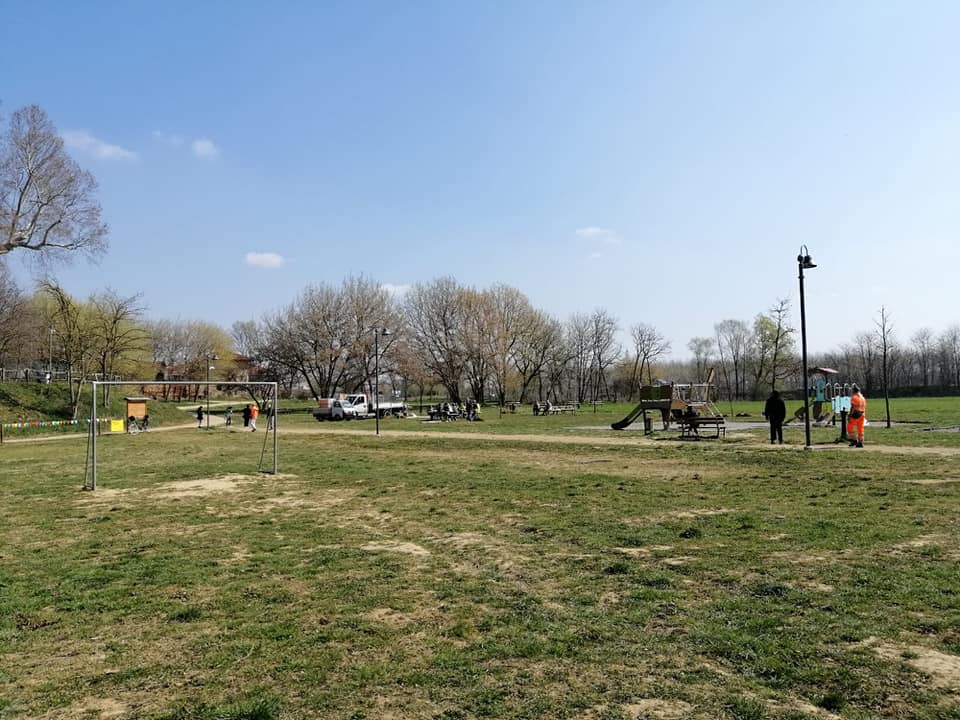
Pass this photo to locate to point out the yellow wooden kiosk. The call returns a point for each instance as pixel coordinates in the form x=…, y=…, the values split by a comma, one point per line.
x=136, y=415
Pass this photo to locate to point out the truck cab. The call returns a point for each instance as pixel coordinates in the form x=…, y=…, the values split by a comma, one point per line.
x=334, y=409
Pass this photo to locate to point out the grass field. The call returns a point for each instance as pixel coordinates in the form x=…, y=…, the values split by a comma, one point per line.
x=516, y=568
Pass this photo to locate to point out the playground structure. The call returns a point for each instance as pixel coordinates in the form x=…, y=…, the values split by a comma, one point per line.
x=684, y=403
x=829, y=400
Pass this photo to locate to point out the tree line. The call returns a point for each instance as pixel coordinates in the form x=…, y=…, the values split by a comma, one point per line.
x=489, y=344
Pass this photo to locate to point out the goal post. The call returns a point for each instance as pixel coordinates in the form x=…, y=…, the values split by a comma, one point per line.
x=93, y=429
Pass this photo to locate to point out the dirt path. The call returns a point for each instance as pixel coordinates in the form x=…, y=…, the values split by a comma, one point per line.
x=625, y=440
x=618, y=440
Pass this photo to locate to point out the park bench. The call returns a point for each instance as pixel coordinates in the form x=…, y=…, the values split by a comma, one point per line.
x=690, y=426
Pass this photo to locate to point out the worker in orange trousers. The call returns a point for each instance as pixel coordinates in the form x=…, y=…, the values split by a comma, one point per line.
x=857, y=417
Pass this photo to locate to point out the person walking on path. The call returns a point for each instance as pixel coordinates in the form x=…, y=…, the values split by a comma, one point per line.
x=199, y=416
x=857, y=417
x=271, y=416
x=775, y=411
x=228, y=416
x=246, y=416
x=254, y=412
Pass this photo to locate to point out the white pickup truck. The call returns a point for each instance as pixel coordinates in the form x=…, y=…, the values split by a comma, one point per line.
x=334, y=409
x=367, y=406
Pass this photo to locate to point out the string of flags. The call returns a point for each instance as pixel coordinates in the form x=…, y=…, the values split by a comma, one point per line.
x=46, y=423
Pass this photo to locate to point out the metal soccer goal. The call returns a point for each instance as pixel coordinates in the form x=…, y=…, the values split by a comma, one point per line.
x=90, y=469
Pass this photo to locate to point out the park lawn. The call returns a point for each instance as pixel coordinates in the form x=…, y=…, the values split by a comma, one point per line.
x=548, y=576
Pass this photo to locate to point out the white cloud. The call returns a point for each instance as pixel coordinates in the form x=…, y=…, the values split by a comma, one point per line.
x=171, y=139
x=204, y=148
x=264, y=260
x=605, y=236
x=396, y=290
x=85, y=142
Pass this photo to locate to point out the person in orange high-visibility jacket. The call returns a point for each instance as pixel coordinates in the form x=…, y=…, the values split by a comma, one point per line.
x=856, y=418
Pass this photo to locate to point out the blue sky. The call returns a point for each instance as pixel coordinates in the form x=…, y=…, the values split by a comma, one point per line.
x=591, y=154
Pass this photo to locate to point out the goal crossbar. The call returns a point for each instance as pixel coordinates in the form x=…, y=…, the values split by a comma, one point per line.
x=92, y=437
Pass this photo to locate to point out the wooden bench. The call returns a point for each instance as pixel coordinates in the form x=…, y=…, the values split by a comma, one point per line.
x=690, y=426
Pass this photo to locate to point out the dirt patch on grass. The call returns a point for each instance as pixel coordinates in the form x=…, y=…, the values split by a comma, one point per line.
x=795, y=557
x=204, y=486
x=942, y=668
x=484, y=551
x=90, y=708
x=240, y=555
x=609, y=599
x=643, y=709
x=394, y=618
x=180, y=488
x=922, y=541
x=406, y=548
x=672, y=515
x=931, y=481
x=643, y=551
x=813, y=585
x=802, y=706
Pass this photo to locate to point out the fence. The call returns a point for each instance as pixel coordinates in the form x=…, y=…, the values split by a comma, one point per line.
x=23, y=427
x=32, y=374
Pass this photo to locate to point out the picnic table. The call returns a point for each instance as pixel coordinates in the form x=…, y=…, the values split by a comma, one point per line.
x=560, y=409
x=690, y=426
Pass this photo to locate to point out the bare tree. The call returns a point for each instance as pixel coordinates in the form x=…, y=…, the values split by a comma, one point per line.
x=577, y=336
x=434, y=314
x=512, y=318
x=948, y=350
x=783, y=347
x=605, y=350
x=73, y=324
x=923, y=351
x=247, y=337
x=14, y=312
x=539, y=344
x=885, y=340
x=47, y=201
x=771, y=343
x=119, y=336
x=733, y=341
x=310, y=337
x=479, y=333
x=702, y=349
x=648, y=344
x=369, y=310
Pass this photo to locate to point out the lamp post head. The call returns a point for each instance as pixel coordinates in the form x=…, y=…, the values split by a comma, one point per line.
x=806, y=262
x=385, y=332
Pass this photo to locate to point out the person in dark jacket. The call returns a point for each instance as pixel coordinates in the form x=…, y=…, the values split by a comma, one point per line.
x=775, y=411
x=246, y=416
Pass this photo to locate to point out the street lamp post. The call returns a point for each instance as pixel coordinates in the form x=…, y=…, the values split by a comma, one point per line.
x=53, y=331
x=804, y=262
x=210, y=358
x=377, y=332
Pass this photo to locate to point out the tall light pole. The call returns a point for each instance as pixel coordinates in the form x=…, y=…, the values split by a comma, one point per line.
x=804, y=262
x=210, y=358
x=377, y=332
x=53, y=331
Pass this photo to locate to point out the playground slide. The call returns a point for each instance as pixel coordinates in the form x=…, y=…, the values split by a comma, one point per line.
x=629, y=419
